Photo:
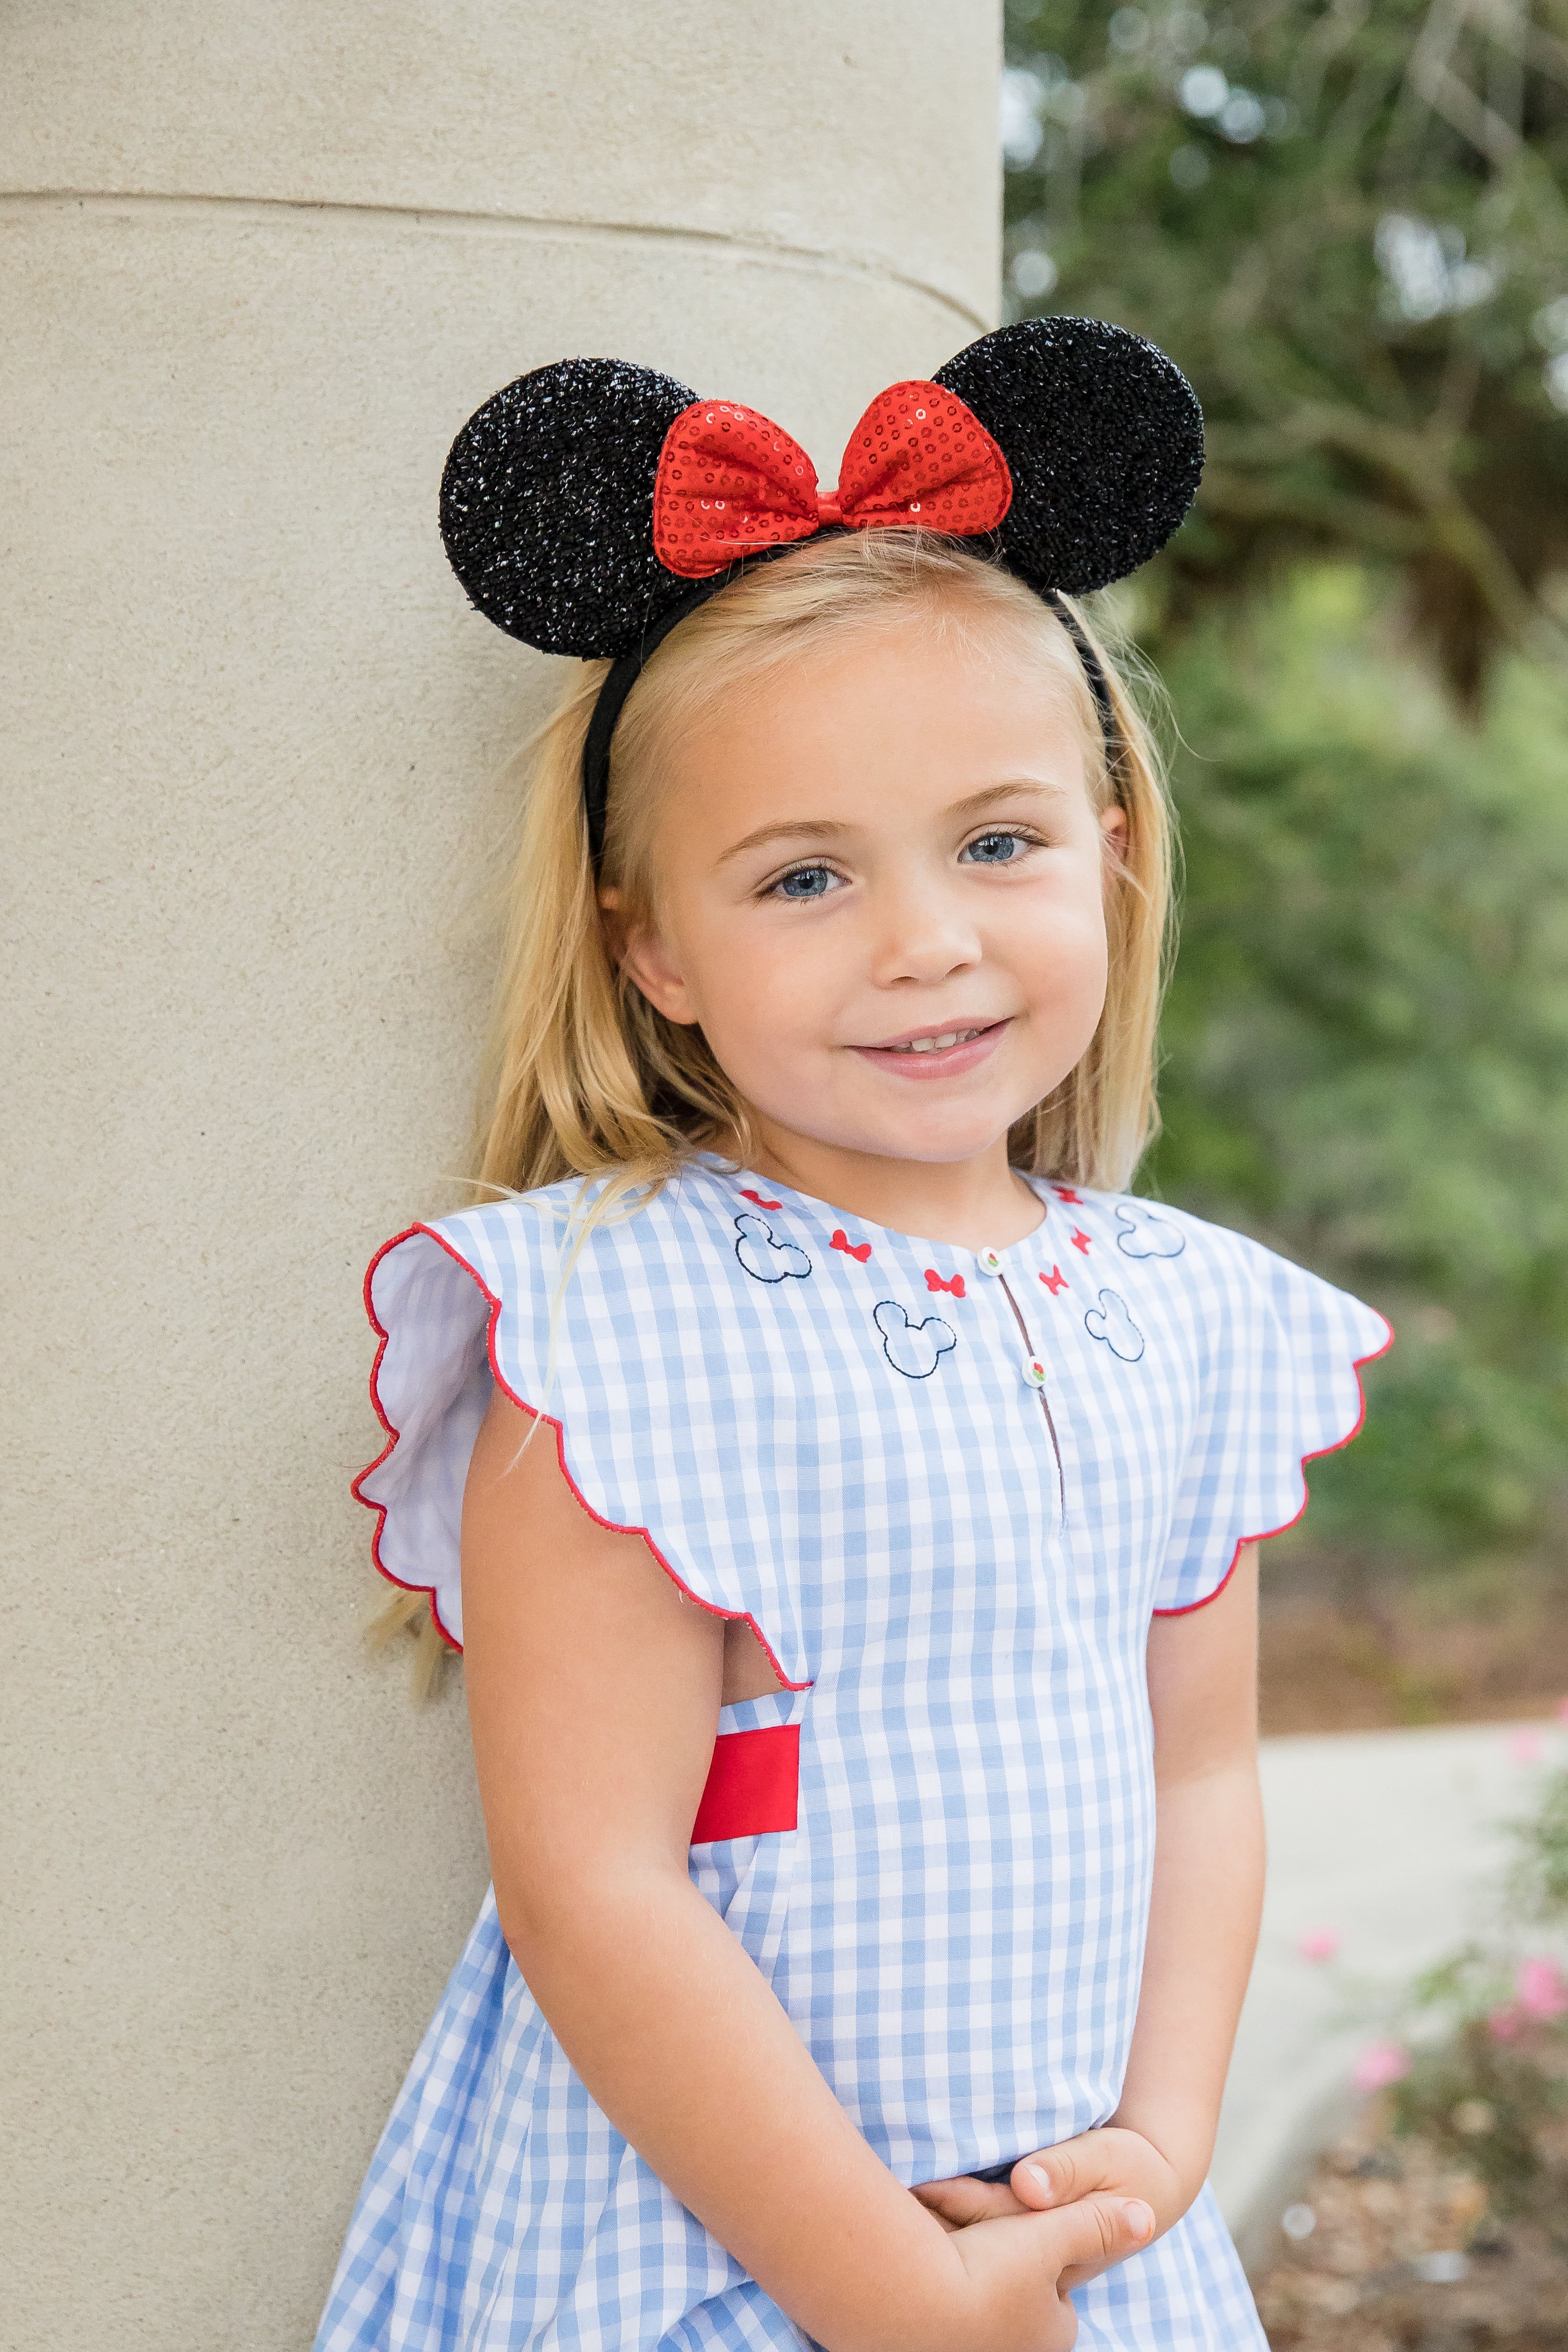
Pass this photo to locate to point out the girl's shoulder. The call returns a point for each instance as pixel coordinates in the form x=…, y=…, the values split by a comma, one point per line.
x=1221, y=1271
x=617, y=1322
x=596, y=1230
x=1269, y=1355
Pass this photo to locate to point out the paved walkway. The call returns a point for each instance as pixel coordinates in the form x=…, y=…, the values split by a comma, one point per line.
x=1389, y=1838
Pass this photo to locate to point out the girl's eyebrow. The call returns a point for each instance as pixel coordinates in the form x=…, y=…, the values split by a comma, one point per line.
x=826, y=828
x=815, y=828
x=1029, y=787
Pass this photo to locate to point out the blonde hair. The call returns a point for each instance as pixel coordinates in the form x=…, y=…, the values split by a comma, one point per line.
x=582, y=1077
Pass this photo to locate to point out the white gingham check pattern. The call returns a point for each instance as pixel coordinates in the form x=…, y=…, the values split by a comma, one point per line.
x=846, y=1449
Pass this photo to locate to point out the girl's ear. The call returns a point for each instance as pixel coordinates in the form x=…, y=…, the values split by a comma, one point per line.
x=610, y=922
x=638, y=950
x=1114, y=833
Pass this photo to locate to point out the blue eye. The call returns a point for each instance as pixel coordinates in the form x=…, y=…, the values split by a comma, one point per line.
x=995, y=848
x=806, y=882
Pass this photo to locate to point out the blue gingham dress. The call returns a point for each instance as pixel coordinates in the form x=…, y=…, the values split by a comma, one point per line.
x=947, y=1489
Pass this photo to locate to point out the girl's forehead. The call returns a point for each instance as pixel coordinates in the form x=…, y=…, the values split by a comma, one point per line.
x=872, y=695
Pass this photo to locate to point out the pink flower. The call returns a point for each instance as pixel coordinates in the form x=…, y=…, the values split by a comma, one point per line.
x=1541, y=1988
x=1525, y=1747
x=1380, y=2064
x=1320, y=1944
x=1507, y=2023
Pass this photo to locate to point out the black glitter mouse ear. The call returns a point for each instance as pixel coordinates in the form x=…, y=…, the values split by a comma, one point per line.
x=1104, y=438
x=547, y=505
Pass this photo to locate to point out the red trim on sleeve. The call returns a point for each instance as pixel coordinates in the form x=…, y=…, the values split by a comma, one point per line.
x=754, y=1784
x=743, y=1616
x=1264, y=1535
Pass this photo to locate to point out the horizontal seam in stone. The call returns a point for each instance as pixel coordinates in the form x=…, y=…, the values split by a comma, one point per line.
x=434, y=216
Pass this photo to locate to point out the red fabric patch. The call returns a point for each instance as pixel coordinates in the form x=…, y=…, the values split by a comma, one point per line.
x=1055, y=1281
x=841, y=1241
x=754, y=1784
x=729, y=480
x=760, y=1201
x=935, y=1282
x=1080, y=1242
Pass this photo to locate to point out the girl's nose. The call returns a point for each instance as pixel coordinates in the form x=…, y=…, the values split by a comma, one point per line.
x=924, y=933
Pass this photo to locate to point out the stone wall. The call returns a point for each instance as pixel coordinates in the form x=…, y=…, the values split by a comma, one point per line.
x=257, y=267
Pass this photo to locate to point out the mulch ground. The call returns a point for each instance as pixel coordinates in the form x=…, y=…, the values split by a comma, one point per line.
x=1384, y=2211
x=1381, y=1657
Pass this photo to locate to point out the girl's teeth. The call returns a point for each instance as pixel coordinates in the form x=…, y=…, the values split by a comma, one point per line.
x=937, y=1044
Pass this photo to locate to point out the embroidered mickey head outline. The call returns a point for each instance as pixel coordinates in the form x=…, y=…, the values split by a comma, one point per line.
x=765, y=1259
x=913, y=1349
x=1142, y=1235
x=1111, y=1322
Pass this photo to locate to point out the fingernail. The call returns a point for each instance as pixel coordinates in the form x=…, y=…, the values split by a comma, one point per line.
x=1139, y=2217
x=1042, y=2180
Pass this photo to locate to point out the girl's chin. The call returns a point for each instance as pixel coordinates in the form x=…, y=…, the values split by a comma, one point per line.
x=922, y=1135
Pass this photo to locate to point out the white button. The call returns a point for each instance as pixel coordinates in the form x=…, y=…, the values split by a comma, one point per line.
x=1034, y=1372
x=989, y=1261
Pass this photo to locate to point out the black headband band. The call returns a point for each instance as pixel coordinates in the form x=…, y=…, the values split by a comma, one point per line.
x=623, y=674
x=1093, y=669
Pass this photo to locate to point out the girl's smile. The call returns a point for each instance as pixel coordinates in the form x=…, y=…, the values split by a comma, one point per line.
x=928, y=1054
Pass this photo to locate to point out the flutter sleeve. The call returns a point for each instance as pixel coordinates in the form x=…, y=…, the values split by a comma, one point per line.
x=619, y=1345
x=1280, y=1382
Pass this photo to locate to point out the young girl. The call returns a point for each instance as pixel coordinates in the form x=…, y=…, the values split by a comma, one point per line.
x=847, y=1495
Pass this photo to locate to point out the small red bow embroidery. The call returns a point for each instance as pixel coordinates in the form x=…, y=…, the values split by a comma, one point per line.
x=1056, y=1281
x=841, y=1241
x=935, y=1282
x=1079, y=1240
x=729, y=480
x=760, y=1201
x=1066, y=1192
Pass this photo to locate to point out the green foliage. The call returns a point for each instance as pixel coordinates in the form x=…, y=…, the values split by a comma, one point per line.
x=1345, y=219
x=1538, y=1891
x=1492, y=2106
x=1488, y=2080
x=1367, y=1035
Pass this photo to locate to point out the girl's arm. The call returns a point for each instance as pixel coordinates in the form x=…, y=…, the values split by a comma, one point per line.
x=1208, y=1876
x=594, y=1692
x=1203, y=1929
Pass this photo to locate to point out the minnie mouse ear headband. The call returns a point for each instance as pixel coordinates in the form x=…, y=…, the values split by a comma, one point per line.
x=588, y=508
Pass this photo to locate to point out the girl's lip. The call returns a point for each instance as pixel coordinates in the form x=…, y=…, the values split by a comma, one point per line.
x=947, y=1062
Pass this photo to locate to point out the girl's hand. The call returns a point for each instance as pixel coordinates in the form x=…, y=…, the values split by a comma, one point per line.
x=1111, y=2162
x=1025, y=2265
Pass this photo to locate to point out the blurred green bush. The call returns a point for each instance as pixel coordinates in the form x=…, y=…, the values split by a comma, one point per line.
x=1366, y=1036
x=1486, y=2069
x=1348, y=225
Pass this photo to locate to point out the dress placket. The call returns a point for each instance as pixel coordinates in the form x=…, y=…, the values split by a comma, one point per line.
x=1035, y=1374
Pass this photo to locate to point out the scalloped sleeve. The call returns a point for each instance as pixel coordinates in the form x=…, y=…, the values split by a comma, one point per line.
x=1281, y=1383
x=618, y=1350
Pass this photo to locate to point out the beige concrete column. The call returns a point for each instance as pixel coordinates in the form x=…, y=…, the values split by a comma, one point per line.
x=258, y=266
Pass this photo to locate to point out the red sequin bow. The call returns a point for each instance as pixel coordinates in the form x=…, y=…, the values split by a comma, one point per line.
x=729, y=480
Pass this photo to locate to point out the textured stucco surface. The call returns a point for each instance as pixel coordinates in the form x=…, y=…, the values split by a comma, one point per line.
x=256, y=267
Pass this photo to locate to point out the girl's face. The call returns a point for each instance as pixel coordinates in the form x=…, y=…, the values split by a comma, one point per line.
x=882, y=898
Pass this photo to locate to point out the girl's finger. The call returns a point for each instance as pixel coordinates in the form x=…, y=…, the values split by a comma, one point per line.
x=959, y=2202
x=1097, y=2230
x=1055, y=2176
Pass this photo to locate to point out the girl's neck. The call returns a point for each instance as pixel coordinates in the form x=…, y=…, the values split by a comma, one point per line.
x=977, y=1203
